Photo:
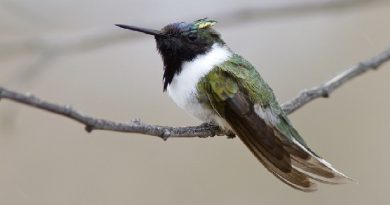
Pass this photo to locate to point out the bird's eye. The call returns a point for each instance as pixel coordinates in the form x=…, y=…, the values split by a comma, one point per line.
x=192, y=37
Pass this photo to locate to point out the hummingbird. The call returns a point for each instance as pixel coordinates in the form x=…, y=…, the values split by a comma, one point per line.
x=208, y=80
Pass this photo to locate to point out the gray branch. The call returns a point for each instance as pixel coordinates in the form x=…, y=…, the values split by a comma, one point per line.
x=328, y=87
x=91, y=123
x=204, y=130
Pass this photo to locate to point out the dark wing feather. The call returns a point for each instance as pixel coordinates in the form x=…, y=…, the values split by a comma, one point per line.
x=263, y=142
x=279, y=148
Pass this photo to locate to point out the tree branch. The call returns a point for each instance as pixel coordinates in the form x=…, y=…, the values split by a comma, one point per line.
x=91, y=123
x=325, y=89
x=204, y=130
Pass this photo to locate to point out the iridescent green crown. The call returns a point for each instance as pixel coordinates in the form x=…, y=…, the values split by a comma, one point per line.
x=203, y=23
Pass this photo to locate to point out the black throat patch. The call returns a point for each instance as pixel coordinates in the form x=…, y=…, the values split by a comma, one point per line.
x=172, y=67
x=173, y=64
x=177, y=46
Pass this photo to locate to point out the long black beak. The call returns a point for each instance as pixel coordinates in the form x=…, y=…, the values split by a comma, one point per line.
x=143, y=30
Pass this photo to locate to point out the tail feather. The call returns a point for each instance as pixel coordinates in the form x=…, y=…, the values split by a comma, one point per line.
x=317, y=168
x=279, y=148
x=293, y=178
x=304, y=171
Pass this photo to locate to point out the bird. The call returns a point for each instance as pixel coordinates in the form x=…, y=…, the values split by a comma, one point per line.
x=209, y=81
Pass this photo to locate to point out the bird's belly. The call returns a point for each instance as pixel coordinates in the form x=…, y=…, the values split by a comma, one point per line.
x=189, y=102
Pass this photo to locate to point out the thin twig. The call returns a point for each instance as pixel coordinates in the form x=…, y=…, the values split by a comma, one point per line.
x=91, y=123
x=328, y=87
x=204, y=130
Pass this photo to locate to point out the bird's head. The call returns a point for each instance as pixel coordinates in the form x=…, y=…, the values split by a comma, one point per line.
x=181, y=42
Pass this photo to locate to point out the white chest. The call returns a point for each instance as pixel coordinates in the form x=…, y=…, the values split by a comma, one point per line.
x=183, y=88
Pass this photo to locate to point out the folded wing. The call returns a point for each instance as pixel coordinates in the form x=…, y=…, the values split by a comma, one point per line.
x=267, y=132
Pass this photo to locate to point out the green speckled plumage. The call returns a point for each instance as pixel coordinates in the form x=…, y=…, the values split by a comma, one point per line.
x=224, y=81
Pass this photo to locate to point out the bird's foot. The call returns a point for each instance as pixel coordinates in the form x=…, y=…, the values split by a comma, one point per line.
x=219, y=130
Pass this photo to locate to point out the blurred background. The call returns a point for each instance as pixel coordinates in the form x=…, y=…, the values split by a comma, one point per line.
x=69, y=52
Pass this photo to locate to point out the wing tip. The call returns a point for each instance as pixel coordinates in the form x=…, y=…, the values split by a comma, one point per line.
x=341, y=178
x=312, y=188
x=337, y=178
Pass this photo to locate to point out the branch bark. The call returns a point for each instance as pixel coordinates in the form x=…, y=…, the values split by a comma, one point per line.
x=204, y=130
